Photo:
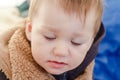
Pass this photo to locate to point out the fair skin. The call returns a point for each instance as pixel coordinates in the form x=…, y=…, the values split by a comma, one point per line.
x=59, y=41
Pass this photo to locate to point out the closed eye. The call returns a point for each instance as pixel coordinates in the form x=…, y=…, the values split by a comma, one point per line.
x=75, y=43
x=49, y=38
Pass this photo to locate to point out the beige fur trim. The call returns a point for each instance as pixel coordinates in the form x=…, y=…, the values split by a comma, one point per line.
x=22, y=63
x=4, y=56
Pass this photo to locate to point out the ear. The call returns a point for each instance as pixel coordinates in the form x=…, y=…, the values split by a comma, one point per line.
x=28, y=30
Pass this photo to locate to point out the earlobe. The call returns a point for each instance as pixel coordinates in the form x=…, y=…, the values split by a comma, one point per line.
x=28, y=30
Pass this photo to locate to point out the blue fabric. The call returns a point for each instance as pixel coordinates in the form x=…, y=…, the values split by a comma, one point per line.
x=107, y=65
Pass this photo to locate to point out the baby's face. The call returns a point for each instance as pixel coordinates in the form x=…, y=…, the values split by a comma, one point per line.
x=59, y=41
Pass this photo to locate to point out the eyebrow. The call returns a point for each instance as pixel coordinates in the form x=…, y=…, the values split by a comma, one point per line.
x=84, y=37
x=79, y=34
x=50, y=28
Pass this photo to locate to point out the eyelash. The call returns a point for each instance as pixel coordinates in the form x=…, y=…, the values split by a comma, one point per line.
x=49, y=38
x=73, y=43
x=76, y=44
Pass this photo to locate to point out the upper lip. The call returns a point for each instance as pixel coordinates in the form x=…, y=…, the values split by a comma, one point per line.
x=59, y=62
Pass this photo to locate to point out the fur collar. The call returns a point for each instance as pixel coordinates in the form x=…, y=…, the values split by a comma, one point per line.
x=22, y=64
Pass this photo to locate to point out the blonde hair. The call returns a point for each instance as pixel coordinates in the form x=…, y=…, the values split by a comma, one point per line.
x=76, y=6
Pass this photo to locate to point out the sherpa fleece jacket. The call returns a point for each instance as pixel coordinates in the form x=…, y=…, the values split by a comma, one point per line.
x=17, y=63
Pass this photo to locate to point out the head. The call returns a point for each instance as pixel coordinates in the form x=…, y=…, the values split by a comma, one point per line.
x=62, y=31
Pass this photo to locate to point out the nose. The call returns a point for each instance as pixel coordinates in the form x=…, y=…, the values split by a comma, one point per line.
x=61, y=50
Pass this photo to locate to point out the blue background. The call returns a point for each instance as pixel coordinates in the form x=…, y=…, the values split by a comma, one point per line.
x=107, y=65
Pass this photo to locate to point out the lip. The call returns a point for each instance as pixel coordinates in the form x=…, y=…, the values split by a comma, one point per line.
x=57, y=64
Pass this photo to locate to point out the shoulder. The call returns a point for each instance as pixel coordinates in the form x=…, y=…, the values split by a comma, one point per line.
x=4, y=53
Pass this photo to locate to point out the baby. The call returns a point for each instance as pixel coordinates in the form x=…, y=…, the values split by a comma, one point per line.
x=58, y=41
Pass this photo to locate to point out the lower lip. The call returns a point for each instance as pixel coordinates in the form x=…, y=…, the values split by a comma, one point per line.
x=55, y=64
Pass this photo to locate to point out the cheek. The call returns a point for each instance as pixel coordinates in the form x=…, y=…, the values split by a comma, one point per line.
x=39, y=52
x=40, y=48
x=78, y=56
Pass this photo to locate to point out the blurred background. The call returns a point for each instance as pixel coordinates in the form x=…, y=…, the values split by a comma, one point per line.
x=107, y=65
x=11, y=12
x=108, y=59
x=10, y=3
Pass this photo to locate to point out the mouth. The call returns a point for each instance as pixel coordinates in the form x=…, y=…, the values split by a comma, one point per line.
x=57, y=64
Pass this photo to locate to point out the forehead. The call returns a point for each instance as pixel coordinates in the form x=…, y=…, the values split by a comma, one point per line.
x=64, y=5
x=54, y=15
x=48, y=9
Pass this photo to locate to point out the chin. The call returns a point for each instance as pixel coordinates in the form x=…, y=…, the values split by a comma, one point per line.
x=55, y=72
